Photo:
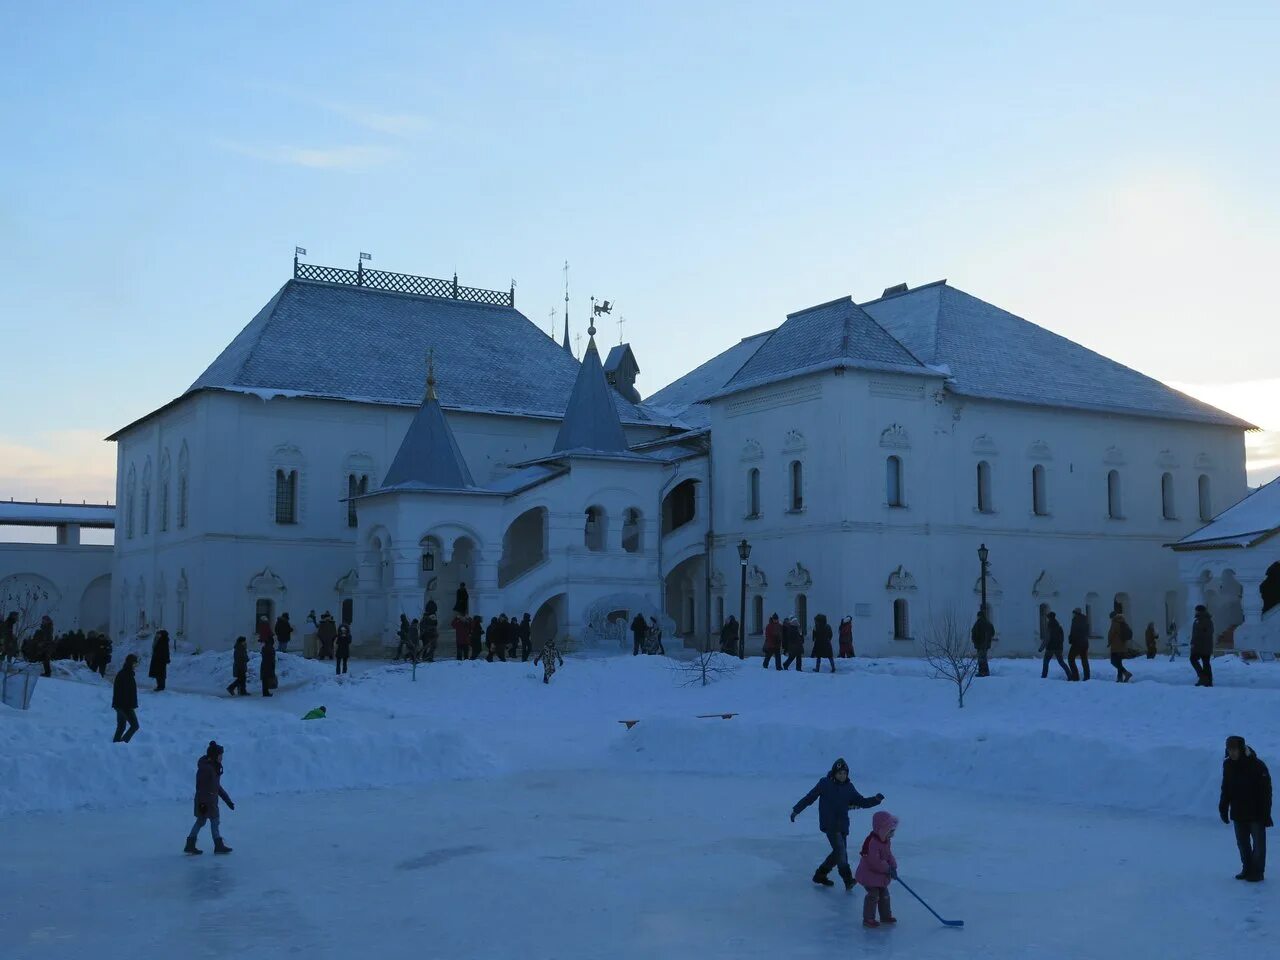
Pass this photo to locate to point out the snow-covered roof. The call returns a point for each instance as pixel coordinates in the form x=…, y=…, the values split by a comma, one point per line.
x=824, y=337
x=336, y=340
x=993, y=354
x=684, y=398
x=429, y=458
x=21, y=514
x=1252, y=520
x=591, y=417
x=617, y=354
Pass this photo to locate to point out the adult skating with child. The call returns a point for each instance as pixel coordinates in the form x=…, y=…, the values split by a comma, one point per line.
x=836, y=796
x=208, y=792
x=876, y=867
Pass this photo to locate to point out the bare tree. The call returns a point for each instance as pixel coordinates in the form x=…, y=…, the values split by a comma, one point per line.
x=948, y=650
x=30, y=603
x=704, y=668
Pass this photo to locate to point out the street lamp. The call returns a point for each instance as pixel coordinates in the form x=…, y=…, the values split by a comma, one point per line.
x=744, y=554
x=983, y=553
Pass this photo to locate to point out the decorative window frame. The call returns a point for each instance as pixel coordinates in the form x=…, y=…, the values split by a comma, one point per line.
x=287, y=457
x=895, y=437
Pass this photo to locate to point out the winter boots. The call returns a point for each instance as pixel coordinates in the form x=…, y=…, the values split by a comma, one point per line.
x=220, y=847
x=821, y=878
x=191, y=847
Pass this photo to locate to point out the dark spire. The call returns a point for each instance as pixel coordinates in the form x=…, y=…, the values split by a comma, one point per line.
x=591, y=419
x=429, y=456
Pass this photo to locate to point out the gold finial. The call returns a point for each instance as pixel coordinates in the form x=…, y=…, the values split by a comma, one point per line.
x=431, y=374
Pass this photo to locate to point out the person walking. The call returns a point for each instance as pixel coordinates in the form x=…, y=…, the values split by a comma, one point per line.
x=1078, y=643
x=461, y=636
x=846, y=638
x=729, y=637
x=402, y=633
x=462, y=601
x=239, y=668
x=326, y=635
x=1245, y=801
x=263, y=629
x=1051, y=644
x=876, y=867
x=430, y=631
x=343, y=644
x=124, y=701
x=267, y=668
x=773, y=642
x=102, y=656
x=836, y=796
x=9, y=637
x=1152, y=638
x=653, y=639
x=550, y=657
x=208, y=792
x=284, y=630
x=477, y=636
x=1118, y=638
x=1202, y=646
x=525, y=635
x=158, y=668
x=822, y=643
x=793, y=641
x=983, y=635
x=43, y=643
x=638, y=629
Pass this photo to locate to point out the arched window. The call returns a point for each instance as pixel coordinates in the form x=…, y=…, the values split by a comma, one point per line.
x=632, y=530
x=753, y=492
x=901, y=620
x=984, y=487
x=130, y=495
x=1113, y=495
x=1206, y=501
x=594, y=529
x=146, y=497
x=163, y=513
x=1166, y=497
x=357, y=486
x=1039, y=493
x=184, y=486
x=757, y=614
x=286, y=496
x=797, y=486
x=1091, y=613
x=893, y=481
x=802, y=612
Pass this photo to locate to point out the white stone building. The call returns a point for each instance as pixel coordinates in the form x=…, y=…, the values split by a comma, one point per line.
x=864, y=451
x=1232, y=566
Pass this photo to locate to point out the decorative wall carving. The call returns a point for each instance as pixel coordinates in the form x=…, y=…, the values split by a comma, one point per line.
x=901, y=580
x=798, y=577
x=1114, y=456
x=1204, y=462
x=266, y=581
x=794, y=441
x=985, y=446
x=1039, y=451
x=895, y=437
x=756, y=578
x=717, y=580
x=1167, y=459
x=751, y=450
x=1045, y=585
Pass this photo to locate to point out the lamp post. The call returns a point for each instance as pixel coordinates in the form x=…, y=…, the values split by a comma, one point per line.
x=983, y=553
x=744, y=554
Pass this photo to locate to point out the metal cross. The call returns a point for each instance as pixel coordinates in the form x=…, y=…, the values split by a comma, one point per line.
x=621, y=321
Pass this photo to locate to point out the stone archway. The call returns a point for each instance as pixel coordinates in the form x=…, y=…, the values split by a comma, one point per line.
x=95, y=605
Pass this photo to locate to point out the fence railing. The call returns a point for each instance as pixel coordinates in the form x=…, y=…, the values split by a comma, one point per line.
x=403, y=283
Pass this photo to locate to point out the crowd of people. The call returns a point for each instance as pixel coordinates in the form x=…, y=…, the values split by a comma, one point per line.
x=44, y=647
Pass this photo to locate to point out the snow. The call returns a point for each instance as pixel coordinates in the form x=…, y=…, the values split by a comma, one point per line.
x=1250, y=520
x=478, y=812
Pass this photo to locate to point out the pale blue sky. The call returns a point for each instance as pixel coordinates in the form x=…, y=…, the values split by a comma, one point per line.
x=1108, y=170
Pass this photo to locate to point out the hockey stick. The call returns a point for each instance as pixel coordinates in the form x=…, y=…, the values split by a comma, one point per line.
x=948, y=923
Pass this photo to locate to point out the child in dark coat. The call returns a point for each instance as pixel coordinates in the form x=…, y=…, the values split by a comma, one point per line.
x=836, y=796
x=877, y=867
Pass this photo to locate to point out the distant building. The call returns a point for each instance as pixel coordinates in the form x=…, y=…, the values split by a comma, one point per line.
x=863, y=450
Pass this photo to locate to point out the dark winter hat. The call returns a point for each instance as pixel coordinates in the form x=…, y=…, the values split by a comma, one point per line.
x=214, y=750
x=838, y=766
x=1201, y=608
x=1234, y=741
x=130, y=660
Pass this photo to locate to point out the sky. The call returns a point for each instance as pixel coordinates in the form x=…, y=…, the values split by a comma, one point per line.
x=1108, y=171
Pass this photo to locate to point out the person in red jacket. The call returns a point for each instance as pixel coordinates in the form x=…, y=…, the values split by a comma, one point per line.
x=846, y=638
x=264, y=630
x=773, y=642
x=877, y=867
x=462, y=636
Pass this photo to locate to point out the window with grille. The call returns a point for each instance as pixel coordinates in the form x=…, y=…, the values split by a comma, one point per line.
x=893, y=481
x=901, y=620
x=1113, y=495
x=984, y=487
x=797, y=486
x=1039, y=494
x=286, y=496
x=753, y=492
x=1206, y=501
x=1166, y=497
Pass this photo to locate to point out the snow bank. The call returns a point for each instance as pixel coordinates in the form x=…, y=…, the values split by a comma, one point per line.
x=1153, y=745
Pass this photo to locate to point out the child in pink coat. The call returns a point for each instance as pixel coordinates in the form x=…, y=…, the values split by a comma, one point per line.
x=876, y=868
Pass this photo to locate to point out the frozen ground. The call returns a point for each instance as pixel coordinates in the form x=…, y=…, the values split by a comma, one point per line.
x=502, y=818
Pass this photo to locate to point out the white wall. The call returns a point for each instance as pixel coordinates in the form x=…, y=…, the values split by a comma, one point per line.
x=77, y=580
x=850, y=541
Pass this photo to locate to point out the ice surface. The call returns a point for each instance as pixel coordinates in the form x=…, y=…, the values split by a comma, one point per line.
x=505, y=818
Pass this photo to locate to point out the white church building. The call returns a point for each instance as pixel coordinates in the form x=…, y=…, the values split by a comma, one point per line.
x=370, y=440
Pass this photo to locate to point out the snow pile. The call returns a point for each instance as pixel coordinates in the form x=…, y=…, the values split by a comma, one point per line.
x=1153, y=745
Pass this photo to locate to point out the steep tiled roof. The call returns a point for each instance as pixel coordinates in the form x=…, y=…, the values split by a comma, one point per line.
x=590, y=420
x=428, y=458
x=357, y=343
x=993, y=354
x=830, y=335
x=684, y=398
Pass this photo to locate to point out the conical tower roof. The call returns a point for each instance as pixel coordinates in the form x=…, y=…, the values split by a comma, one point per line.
x=429, y=457
x=590, y=420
